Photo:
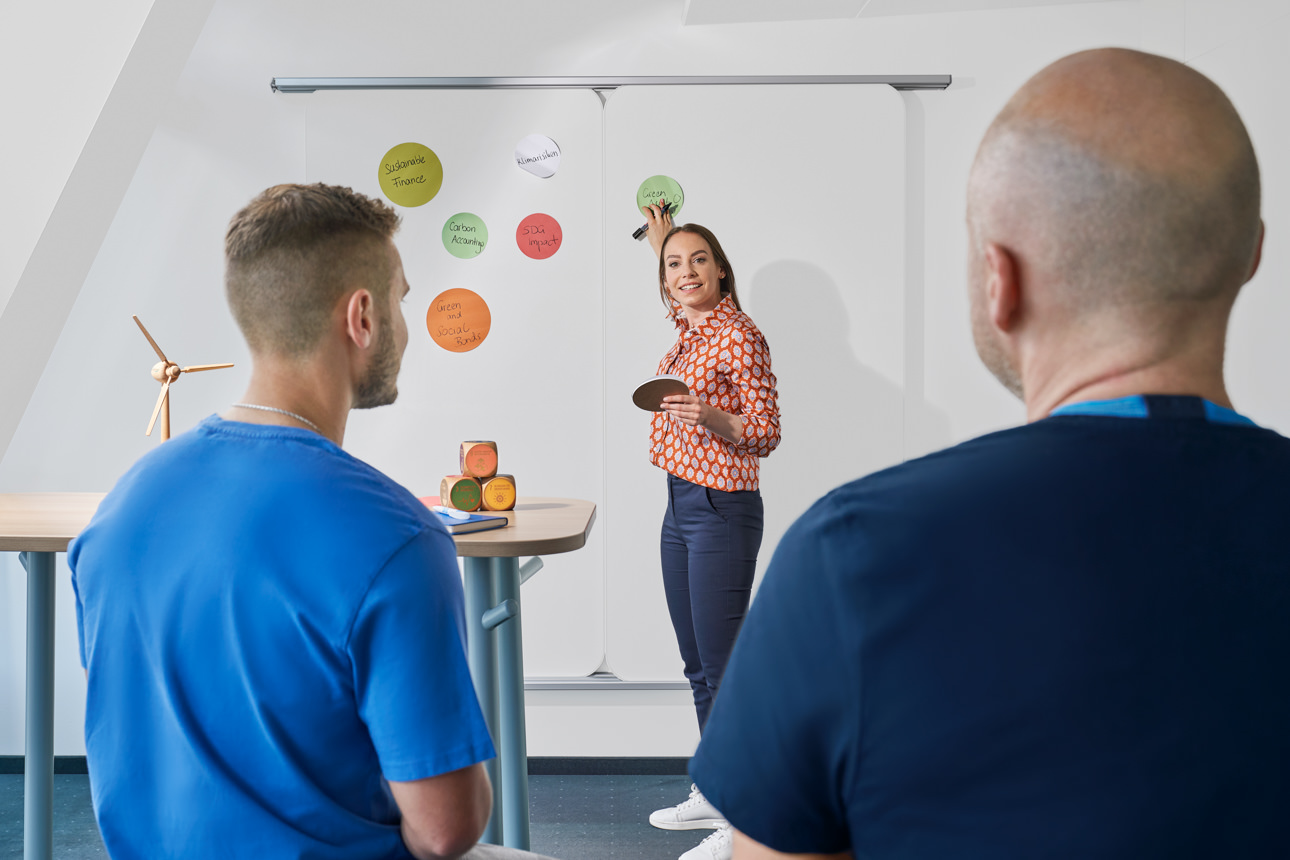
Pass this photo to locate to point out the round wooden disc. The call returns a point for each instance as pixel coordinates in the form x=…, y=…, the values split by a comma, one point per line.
x=649, y=394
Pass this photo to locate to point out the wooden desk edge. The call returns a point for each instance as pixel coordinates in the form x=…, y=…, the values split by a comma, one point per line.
x=34, y=543
x=497, y=546
x=491, y=544
x=44, y=522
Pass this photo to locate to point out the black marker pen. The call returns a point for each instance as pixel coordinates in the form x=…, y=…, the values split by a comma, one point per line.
x=639, y=233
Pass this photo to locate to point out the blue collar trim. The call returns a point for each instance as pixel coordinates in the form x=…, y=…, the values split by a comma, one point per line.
x=1138, y=406
x=1222, y=415
x=1123, y=407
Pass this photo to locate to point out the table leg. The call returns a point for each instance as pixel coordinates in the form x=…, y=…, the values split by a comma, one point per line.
x=38, y=801
x=483, y=672
x=514, y=742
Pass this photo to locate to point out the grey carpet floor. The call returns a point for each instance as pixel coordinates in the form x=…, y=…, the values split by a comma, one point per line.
x=573, y=817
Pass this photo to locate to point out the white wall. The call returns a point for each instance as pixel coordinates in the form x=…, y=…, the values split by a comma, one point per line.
x=223, y=136
x=87, y=173
x=77, y=60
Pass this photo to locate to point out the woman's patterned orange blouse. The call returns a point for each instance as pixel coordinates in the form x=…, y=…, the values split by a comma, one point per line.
x=726, y=363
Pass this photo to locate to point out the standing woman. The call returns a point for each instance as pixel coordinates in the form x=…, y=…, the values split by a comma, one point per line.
x=709, y=442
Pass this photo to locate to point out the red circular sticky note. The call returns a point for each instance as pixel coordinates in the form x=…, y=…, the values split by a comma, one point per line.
x=538, y=236
x=458, y=320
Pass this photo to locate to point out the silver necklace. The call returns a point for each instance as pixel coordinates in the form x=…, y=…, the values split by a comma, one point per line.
x=302, y=419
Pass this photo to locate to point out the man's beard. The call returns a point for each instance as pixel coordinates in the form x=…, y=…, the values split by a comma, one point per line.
x=380, y=385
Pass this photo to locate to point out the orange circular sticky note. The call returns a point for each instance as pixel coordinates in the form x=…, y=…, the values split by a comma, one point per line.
x=538, y=236
x=458, y=320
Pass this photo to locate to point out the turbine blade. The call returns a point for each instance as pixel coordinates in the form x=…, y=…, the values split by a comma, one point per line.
x=196, y=367
x=156, y=410
x=155, y=348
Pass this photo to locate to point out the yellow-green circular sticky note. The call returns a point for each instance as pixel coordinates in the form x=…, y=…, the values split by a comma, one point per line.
x=410, y=174
x=464, y=235
x=660, y=189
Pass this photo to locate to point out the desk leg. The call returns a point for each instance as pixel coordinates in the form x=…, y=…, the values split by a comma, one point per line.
x=38, y=802
x=514, y=749
x=483, y=672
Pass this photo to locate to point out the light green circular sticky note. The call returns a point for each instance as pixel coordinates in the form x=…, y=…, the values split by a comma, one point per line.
x=410, y=174
x=464, y=235
x=660, y=189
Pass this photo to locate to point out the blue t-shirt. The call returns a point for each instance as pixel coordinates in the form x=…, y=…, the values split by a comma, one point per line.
x=1065, y=640
x=271, y=629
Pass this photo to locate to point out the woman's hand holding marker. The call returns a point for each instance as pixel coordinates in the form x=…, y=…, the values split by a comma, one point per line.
x=658, y=222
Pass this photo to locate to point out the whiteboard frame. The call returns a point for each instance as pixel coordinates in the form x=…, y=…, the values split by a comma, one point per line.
x=309, y=85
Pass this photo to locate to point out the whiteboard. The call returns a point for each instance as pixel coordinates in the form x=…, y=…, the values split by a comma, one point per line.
x=804, y=187
x=535, y=385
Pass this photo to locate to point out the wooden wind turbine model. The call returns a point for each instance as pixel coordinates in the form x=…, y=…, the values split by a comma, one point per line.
x=166, y=372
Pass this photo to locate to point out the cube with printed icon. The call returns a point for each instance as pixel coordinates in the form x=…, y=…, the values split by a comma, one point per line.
x=499, y=493
x=478, y=486
x=478, y=459
x=462, y=492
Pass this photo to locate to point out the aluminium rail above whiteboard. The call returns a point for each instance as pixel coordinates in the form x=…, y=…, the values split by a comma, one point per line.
x=309, y=85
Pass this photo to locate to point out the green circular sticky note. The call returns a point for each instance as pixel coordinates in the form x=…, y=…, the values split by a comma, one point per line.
x=464, y=235
x=410, y=174
x=660, y=189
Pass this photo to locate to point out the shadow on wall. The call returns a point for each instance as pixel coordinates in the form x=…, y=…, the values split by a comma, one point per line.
x=840, y=419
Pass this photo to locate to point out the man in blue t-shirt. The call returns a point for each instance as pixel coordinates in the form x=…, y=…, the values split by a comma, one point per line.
x=272, y=630
x=1068, y=639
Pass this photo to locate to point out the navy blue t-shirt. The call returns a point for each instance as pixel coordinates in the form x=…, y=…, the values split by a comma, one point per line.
x=271, y=628
x=1068, y=639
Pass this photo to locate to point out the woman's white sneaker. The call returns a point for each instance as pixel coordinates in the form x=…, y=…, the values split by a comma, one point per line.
x=718, y=846
x=693, y=814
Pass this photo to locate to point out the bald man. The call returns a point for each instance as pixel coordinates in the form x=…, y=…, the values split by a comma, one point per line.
x=1068, y=639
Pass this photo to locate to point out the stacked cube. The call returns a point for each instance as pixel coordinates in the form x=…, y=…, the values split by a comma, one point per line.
x=478, y=485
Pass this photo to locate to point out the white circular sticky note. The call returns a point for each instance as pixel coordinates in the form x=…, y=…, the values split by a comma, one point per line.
x=539, y=155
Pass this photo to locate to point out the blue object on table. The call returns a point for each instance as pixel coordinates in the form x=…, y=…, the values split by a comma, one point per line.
x=463, y=522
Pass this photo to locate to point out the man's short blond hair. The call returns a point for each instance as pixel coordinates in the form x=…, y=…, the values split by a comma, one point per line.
x=293, y=252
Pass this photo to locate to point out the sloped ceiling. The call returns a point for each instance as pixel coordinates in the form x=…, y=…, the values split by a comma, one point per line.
x=88, y=180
